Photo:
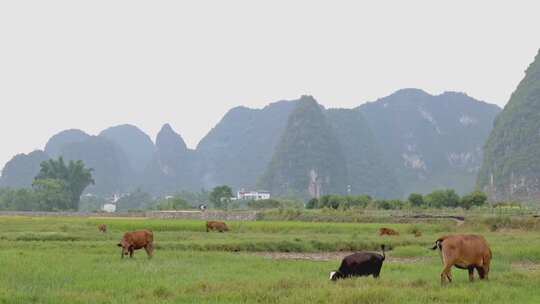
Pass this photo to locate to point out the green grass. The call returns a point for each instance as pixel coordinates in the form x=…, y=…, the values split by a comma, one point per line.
x=66, y=260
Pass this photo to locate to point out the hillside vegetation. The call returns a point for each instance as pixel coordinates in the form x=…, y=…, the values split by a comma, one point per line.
x=511, y=168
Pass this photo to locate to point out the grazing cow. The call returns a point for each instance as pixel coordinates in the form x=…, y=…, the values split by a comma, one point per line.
x=360, y=264
x=215, y=225
x=102, y=228
x=137, y=240
x=387, y=231
x=464, y=252
x=418, y=233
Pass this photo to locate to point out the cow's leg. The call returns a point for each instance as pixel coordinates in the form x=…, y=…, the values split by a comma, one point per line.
x=481, y=272
x=122, y=254
x=149, y=250
x=446, y=274
x=131, y=252
x=471, y=274
x=486, y=267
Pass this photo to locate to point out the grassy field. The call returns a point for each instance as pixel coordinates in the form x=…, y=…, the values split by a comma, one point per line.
x=66, y=260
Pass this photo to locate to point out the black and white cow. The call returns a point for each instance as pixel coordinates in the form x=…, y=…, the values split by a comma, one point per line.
x=360, y=264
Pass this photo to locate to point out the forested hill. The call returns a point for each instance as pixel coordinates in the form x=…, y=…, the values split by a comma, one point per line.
x=367, y=171
x=237, y=151
x=407, y=142
x=511, y=168
x=431, y=141
x=308, y=160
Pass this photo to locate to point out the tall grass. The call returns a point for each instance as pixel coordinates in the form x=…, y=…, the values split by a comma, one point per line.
x=60, y=260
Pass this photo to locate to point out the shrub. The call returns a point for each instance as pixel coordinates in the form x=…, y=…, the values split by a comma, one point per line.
x=312, y=204
x=389, y=204
x=443, y=198
x=507, y=222
x=476, y=198
x=265, y=204
x=174, y=203
x=416, y=200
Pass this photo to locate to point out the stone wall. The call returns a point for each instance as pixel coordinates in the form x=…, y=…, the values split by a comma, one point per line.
x=204, y=215
x=196, y=215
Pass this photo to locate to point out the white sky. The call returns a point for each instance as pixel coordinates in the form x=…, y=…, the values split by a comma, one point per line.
x=94, y=64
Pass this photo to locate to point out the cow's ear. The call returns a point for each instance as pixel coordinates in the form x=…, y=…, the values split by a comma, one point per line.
x=119, y=245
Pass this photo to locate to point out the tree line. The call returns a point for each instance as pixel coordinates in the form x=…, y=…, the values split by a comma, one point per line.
x=437, y=199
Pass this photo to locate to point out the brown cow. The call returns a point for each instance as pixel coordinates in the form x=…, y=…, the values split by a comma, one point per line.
x=136, y=240
x=102, y=228
x=215, y=225
x=464, y=252
x=387, y=231
x=418, y=233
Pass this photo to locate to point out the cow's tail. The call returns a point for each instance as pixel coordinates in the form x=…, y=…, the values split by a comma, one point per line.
x=438, y=244
x=383, y=252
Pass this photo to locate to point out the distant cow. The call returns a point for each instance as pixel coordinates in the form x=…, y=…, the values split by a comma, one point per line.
x=464, y=252
x=360, y=264
x=215, y=225
x=418, y=233
x=137, y=240
x=387, y=231
x=102, y=228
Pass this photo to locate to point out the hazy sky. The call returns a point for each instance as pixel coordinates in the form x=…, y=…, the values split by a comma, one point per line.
x=94, y=64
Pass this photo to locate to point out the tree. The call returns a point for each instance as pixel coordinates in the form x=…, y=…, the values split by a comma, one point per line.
x=265, y=204
x=443, y=198
x=174, y=203
x=92, y=203
x=221, y=196
x=416, y=200
x=476, y=198
x=360, y=201
x=137, y=200
x=51, y=194
x=312, y=203
x=18, y=199
x=389, y=204
x=75, y=176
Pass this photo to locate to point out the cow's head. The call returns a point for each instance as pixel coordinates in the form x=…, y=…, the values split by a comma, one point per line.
x=335, y=275
x=126, y=247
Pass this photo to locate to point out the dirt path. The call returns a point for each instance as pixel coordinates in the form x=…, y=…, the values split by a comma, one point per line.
x=330, y=256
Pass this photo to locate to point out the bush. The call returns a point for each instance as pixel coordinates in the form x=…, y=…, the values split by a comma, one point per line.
x=389, y=204
x=507, y=222
x=416, y=200
x=312, y=204
x=332, y=201
x=443, y=198
x=174, y=203
x=265, y=204
x=340, y=202
x=476, y=198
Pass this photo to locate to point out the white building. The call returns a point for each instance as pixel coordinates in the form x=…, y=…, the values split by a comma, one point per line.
x=109, y=208
x=252, y=195
x=111, y=205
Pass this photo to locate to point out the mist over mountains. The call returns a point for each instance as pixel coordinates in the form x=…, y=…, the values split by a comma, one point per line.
x=410, y=141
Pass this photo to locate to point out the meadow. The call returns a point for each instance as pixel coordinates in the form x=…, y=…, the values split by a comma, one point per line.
x=66, y=260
